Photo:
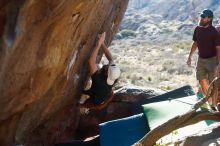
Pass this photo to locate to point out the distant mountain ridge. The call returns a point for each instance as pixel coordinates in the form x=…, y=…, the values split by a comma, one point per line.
x=175, y=9
x=166, y=20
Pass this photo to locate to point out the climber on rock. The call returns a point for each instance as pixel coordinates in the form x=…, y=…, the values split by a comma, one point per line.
x=103, y=79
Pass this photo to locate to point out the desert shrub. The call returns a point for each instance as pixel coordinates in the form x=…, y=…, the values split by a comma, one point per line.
x=168, y=88
x=181, y=45
x=127, y=33
x=149, y=79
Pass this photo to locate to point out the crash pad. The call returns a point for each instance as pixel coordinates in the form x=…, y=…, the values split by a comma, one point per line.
x=123, y=132
x=160, y=112
x=174, y=94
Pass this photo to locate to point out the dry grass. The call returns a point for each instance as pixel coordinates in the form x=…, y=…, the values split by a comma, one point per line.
x=159, y=66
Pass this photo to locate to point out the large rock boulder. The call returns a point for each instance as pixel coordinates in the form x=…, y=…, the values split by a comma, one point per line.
x=44, y=47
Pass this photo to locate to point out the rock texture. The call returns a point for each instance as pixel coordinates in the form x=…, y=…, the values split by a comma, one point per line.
x=207, y=137
x=44, y=47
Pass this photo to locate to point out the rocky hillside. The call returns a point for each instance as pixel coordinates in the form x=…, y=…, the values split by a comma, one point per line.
x=154, y=40
x=161, y=19
x=175, y=10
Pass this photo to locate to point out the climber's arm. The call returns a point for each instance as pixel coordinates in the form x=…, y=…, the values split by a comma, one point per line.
x=107, y=53
x=92, y=59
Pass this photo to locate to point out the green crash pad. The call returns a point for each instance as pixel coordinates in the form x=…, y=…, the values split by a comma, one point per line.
x=160, y=112
x=174, y=94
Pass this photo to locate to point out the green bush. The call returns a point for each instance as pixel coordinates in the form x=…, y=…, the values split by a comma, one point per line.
x=127, y=33
x=181, y=45
x=167, y=88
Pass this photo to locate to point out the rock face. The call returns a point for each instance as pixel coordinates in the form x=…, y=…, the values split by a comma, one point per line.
x=44, y=47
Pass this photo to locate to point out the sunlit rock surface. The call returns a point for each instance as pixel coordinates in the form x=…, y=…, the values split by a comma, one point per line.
x=44, y=47
x=206, y=137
